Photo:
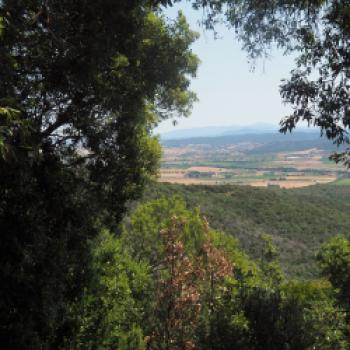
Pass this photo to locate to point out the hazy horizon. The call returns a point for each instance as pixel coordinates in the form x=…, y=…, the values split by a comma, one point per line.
x=179, y=128
x=222, y=130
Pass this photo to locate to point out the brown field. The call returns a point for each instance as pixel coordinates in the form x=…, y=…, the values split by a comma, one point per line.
x=260, y=183
x=294, y=183
x=311, y=178
x=173, y=171
x=261, y=173
x=298, y=184
x=206, y=169
x=178, y=176
x=189, y=181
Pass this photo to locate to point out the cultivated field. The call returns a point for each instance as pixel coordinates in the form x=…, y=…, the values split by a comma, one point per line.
x=238, y=164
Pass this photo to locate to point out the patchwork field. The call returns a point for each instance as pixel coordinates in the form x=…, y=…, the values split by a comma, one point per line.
x=173, y=175
x=248, y=163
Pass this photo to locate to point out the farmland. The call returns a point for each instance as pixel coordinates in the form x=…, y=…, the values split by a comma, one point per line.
x=241, y=161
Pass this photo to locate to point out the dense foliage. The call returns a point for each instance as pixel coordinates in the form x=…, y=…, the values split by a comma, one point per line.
x=191, y=287
x=82, y=85
x=299, y=220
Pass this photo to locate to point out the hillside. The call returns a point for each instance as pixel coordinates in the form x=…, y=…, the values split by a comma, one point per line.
x=299, y=220
x=214, y=131
x=266, y=140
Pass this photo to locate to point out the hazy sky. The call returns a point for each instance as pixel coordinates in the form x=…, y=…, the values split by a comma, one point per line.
x=229, y=92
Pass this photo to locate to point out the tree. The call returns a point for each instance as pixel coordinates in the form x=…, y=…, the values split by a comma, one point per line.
x=177, y=296
x=110, y=311
x=270, y=265
x=82, y=85
x=295, y=315
x=90, y=84
x=334, y=260
x=189, y=267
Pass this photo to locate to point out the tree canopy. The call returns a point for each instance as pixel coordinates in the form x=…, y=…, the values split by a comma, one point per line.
x=89, y=81
x=82, y=86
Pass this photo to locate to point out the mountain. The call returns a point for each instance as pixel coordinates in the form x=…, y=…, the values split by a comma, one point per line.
x=213, y=131
x=218, y=131
x=273, y=141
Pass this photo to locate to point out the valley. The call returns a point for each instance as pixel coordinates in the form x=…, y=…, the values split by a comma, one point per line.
x=261, y=160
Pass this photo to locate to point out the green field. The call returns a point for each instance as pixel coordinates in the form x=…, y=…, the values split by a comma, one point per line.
x=342, y=182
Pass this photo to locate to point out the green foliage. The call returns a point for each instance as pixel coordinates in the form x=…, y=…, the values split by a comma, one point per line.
x=11, y=125
x=112, y=305
x=256, y=307
x=269, y=262
x=141, y=232
x=334, y=260
x=245, y=269
x=82, y=85
x=141, y=236
x=44, y=256
x=299, y=220
x=132, y=340
x=2, y=25
x=297, y=315
x=187, y=294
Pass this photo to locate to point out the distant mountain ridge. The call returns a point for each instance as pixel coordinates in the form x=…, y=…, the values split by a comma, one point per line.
x=213, y=131
x=270, y=142
x=218, y=131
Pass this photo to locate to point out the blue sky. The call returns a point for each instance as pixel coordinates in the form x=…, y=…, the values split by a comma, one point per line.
x=229, y=92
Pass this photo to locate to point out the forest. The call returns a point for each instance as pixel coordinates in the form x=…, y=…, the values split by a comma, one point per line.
x=94, y=253
x=298, y=221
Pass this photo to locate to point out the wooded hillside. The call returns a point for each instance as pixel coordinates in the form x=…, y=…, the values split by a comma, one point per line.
x=299, y=220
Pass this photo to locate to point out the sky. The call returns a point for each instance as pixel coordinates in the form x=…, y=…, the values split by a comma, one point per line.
x=229, y=92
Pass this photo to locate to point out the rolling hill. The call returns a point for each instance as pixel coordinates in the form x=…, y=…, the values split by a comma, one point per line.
x=299, y=220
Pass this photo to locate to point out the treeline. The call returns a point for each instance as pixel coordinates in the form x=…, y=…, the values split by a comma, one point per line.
x=172, y=282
